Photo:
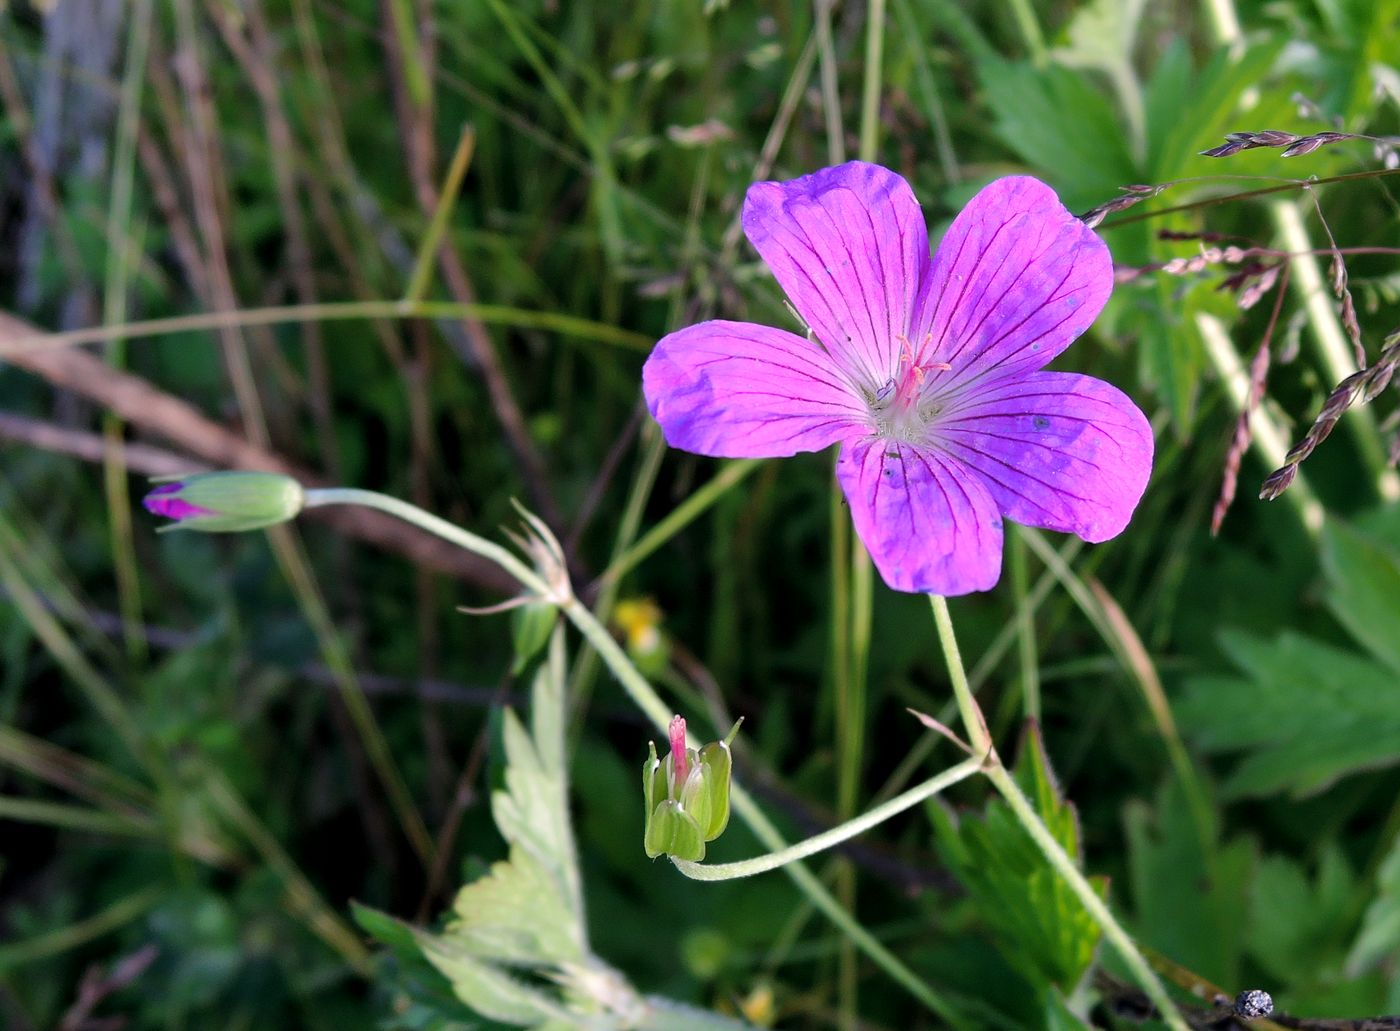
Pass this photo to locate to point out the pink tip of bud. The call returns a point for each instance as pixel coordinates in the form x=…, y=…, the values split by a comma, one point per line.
x=159, y=503
x=678, y=759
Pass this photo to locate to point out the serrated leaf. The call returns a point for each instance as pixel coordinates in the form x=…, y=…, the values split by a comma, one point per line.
x=1043, y=928
x=1101, y=33
x=1303, y=715
x=1363, y=573
x=532, y=814
x=1056, y=120
x=1379, y=938
x=488, y=989
x=515, y=949
x=1215, y=97
x=1188, y=895
x=517, y=915
x=1292, y=918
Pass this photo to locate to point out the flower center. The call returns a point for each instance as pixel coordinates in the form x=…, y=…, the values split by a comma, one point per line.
x=903, y=407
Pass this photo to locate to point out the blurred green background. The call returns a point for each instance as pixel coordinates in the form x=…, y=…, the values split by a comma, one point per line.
x=189, y=796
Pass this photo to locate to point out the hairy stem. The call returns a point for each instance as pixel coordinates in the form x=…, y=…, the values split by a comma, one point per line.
x=835, y=836
x=1025, y=813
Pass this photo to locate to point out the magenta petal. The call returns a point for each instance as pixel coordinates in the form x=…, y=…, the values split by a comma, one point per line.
x=738, y=390
x=849, y=247
x=1055, y=449
x=159, y=502
x=928, y=523
x=1015, y=280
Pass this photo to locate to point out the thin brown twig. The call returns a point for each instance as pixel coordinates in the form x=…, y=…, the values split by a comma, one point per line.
x=1362, y=387
x=1244, y=435
x=200, y=166
x=480, y=351
x=145, y=406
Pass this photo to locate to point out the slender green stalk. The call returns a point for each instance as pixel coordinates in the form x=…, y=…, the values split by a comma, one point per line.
x=60, y=645
x=1025, y=813
x=695, y=504
x=65, y=939
x=1030, y=31
x=938, y=119
x=850, y=736
x=988, y=663
x=297, y=568
x=302, y=896
x=828, y=839
x=114, y=312
x=586, y=664
x=851, y=731
x=1025, y=628
x=831, y=92
x=649, y=702
x=421, y=276
x=73, y=817
x=1112, y=625
x=870, y=94
x=337, y=311
x=465, y=540
x=852, y=706
x=406, y=35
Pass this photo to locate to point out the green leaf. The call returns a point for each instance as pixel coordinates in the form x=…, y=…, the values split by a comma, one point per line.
x=532, y=814
x=1056, y=121
x=1043, y=928
x=1058, y=1015
x=1188, y=895
x=1363, y=573
x=1215, y=95
x=518, y=915
x=1303, y=715
x=1379, y=939
x=487, y=988
x=1101, y=34
x=515, y=949
x=1293, y=921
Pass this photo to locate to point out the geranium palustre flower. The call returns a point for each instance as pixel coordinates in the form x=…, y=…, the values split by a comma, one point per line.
x=927, y=371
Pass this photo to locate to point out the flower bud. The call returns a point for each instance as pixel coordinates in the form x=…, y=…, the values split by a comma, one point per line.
x=226, y=502
x=687, y=795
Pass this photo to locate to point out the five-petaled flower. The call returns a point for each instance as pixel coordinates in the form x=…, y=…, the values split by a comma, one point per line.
x=928, y=371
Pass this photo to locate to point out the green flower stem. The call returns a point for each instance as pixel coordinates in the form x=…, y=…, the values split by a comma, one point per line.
x=319, y=496
x=650, y=703
x=1035, y=827
x=827, y=839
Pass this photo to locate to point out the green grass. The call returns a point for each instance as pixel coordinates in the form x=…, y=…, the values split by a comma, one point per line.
x=423, y=249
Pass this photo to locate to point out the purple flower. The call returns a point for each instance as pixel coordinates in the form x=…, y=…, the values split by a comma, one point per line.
x=926, y=371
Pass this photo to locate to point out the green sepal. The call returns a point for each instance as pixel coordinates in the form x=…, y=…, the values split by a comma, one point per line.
x=654, y=776
x=671, y=831
x=530, y=628
x=717, y=766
